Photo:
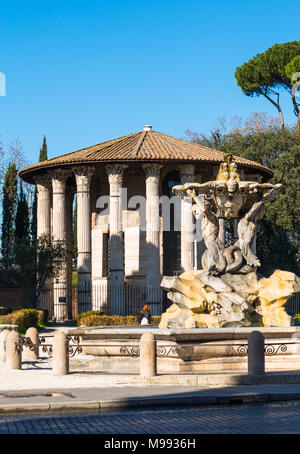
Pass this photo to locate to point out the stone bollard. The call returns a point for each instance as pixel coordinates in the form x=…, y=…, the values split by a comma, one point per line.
x=256, y=353
x=13, y=356
x=148, y=367
x=60, y=357
x=34, y=337
x=3, y=335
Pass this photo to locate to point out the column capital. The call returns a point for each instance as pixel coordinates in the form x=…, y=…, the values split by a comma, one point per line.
x=152, y=171
x=115, y=173
x=59, y=178
x=187, y=173
x=83, y=175
x=43, y=183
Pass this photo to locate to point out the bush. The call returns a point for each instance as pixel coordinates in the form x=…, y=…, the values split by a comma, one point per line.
x=42, y=316
x=87, y=314
x=112, y=320
x=23, y=318
x=155, y=319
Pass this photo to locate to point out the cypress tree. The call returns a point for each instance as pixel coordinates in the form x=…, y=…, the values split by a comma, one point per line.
x=43, y=151
x=22, y=218
x=9, y=204
x=33, y=228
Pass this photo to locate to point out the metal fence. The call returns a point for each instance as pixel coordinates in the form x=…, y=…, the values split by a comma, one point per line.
x=110, y=298
x=293, y=304
x=107, y=297
x=16, y=298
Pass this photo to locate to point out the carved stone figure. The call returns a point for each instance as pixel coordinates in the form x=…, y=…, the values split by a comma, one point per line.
x=227, y=292
x=229, y=198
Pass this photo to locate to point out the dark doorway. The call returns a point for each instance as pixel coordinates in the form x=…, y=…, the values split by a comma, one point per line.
x=171, y=238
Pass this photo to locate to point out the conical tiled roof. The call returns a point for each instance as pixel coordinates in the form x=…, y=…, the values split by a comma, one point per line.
x=142, y=146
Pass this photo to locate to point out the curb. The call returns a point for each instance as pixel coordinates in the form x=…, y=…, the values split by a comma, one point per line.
x=147, y=402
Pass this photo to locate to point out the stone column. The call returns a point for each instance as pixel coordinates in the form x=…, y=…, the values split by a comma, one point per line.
x=187, y=222
x=43, y=186
x=116, y=243
x=59, y=233
x=83, y=177
x=153, y=276
x=69, y=244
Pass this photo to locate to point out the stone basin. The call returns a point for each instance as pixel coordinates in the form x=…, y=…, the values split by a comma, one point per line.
x=184, y=350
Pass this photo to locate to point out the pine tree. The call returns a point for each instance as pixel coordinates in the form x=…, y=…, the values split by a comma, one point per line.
x=9, y=204
x=33, y=228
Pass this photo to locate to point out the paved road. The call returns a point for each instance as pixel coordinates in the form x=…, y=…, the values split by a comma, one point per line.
x=273, y=418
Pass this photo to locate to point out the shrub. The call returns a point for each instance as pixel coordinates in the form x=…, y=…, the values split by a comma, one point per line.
x=155, y=319
x=87, y=314
x=42, y=316
x=31, y=317
x=112, y=320
x=108, y=320
x=23, y=318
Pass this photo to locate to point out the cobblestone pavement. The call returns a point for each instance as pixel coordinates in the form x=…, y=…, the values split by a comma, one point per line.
x=273, y=418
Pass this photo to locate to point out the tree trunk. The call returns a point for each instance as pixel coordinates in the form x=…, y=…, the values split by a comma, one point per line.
x=276, y=104
x=281, y=118
x=296, y=111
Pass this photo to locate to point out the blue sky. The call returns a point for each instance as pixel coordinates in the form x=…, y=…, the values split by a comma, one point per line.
x=82, y=72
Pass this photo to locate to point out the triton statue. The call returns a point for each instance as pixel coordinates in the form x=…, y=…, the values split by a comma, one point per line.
x=229, y=198
x=227, y=292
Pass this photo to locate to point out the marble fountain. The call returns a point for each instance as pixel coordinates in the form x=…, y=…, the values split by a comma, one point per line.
x=214, y=309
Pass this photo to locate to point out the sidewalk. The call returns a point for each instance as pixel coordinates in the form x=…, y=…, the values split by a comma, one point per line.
x=35, y=389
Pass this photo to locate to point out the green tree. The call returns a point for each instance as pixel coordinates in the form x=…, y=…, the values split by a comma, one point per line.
x=265, y=73
x=9, y=205
x=33, y=227
x=260, y=140
x=22, y=217
x=31, y=270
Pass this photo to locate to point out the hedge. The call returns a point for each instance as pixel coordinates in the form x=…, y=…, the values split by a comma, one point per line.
x=87, y=314
x=25, y=318
x=88, y=319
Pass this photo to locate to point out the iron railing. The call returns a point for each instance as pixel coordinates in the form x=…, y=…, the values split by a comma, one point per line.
x=107, y=297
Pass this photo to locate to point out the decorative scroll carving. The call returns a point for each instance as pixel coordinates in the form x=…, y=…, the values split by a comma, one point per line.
x=83, y=176
x=152, y=172
x=115, y=173
x=59, y=178
x=43, y=183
